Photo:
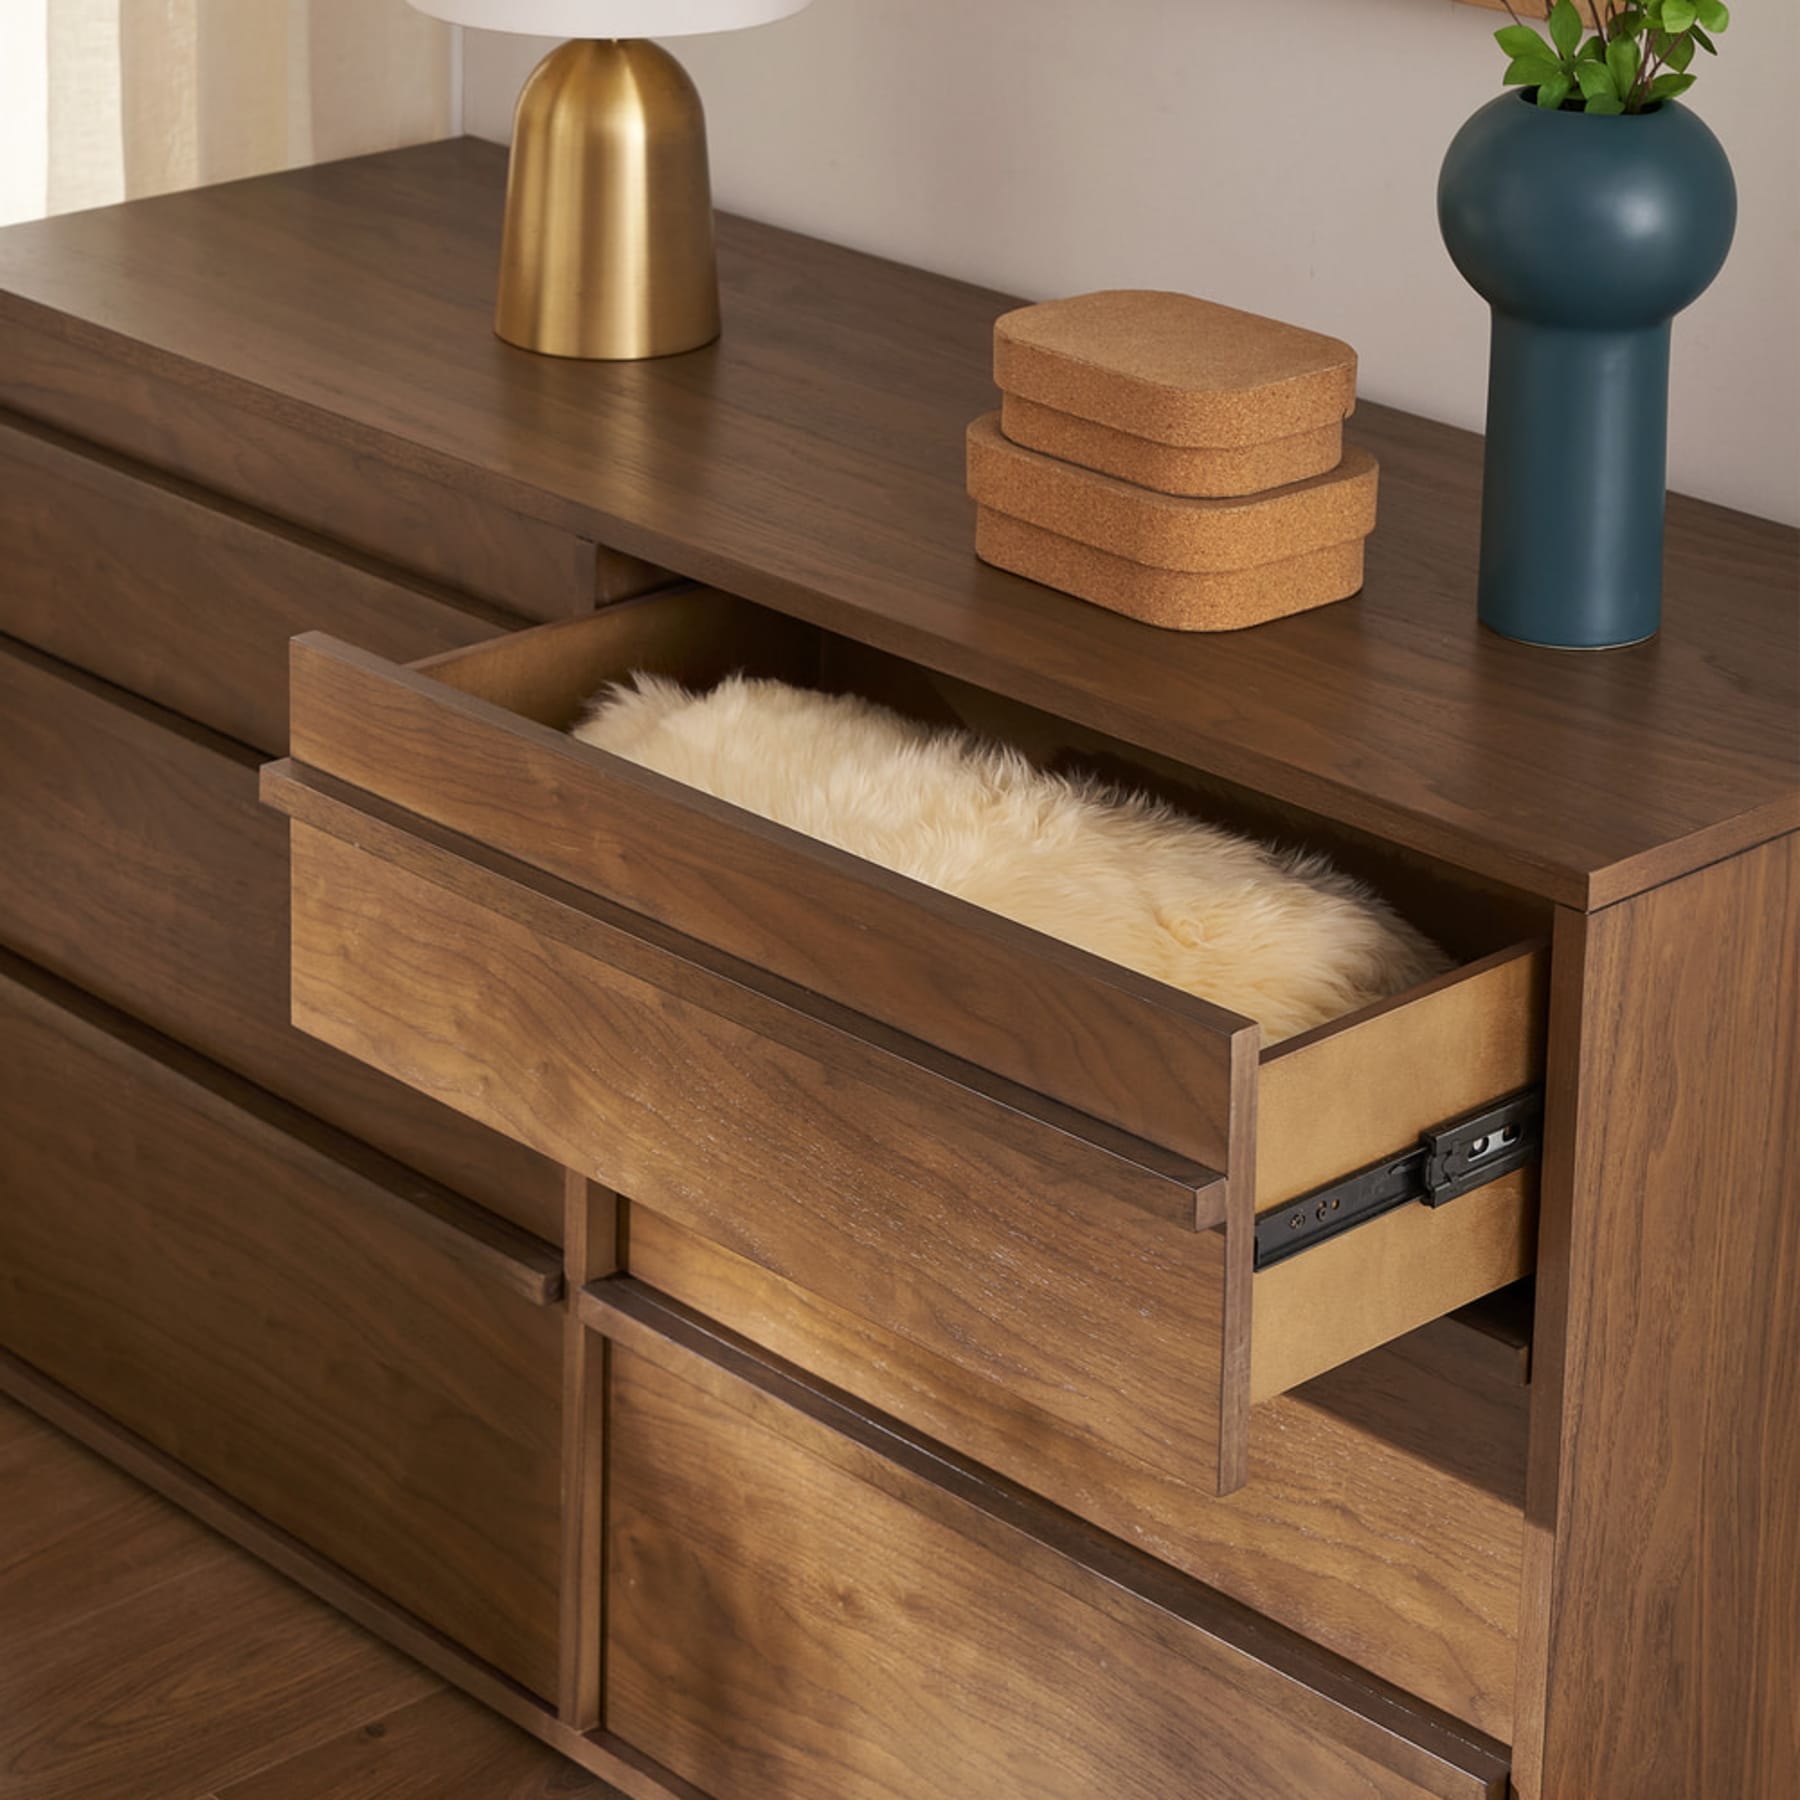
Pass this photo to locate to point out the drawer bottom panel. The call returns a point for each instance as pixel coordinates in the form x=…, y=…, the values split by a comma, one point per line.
x=274, y=1307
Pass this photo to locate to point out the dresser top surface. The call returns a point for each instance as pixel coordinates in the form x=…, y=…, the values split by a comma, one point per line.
x=813, y=460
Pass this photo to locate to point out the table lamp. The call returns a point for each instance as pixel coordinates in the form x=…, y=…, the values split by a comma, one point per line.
x=608, y=245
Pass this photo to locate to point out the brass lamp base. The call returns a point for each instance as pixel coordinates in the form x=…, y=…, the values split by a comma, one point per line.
x=608, y=246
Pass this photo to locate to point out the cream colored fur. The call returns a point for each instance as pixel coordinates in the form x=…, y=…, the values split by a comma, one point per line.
x=1278, y=935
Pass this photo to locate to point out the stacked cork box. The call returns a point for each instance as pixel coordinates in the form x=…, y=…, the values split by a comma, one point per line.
x=1171, y=459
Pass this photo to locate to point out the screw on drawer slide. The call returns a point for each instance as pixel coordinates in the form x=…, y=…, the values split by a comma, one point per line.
x=1448, y=1161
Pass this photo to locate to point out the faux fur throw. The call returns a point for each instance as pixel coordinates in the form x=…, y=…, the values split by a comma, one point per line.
x=1278, y=935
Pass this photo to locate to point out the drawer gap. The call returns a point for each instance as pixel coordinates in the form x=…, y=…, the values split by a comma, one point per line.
x=1449, y=1160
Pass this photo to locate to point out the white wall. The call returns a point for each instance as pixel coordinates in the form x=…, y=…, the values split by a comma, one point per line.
x=1280, y=155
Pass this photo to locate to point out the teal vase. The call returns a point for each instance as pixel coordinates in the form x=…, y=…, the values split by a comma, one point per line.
x=1585, y=235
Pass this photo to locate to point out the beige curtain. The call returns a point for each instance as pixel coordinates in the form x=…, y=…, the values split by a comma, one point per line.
x=141, y=96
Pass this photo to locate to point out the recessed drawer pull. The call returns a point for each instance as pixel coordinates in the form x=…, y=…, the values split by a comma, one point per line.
x=1449, y=1161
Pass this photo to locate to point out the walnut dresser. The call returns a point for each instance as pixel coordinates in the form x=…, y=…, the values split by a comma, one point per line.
x=768, y=1328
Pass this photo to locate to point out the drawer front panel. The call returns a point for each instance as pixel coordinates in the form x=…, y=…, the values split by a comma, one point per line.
x=827, y=1157
x=140, y=866
x=369, y=499
x=1037, y=1255
x=1383, y=1516
x=802, y=1603
x=473, y=740
x=188, y=602
x=269, y=1304
x=1153, y=1061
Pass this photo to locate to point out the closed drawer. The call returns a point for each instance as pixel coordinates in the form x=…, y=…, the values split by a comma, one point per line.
x=804, y=1600
x=185, y=599
x=140, y=866
x=365, y=1360
x=360, y=489
x=1383, y=1516
x=1035, y=1165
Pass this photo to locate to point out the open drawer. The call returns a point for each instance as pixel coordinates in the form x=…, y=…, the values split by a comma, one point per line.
x=1041, y=1167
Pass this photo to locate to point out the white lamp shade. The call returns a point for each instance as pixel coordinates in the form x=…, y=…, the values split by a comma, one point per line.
x=609, y=18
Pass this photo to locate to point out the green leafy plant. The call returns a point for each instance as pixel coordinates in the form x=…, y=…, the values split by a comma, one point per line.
x=1636, y=55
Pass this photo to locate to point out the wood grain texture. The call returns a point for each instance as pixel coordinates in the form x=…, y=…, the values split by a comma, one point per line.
x=142, y=1656
x=115, y=1543
x=140, y=866
x=436, y=1748
x=232, y=1281
x=1661, y=1656
x=186, y=599
x=599, y=1752
x=291, y=463
x=1382, y=1516
x=799, y=1137
x=146, y=1722
x=679, y=1082
x=1039, y=1012
x=77, y=1539
x=856, y=1613
x=812, y=460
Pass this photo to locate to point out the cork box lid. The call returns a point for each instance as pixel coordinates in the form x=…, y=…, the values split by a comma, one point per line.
x=1173, y=368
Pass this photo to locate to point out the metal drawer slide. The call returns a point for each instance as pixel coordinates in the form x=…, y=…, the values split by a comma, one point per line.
x=1448, y=1161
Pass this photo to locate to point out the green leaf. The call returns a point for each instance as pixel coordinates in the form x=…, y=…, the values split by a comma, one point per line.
x=1596, y=82
x=1594, y=50
x=1666, y=87
x=1681, y=52
x=1604, y=104
x=1531, y=71
x=1677, y=15
x=1704, y=41
x=1630, y=21
x=1622, y=59
x=1520, y=40
x=1715, y=15
x=1552, y=93
x=1565, y=26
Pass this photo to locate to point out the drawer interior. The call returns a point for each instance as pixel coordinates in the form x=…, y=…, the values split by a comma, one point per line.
x=698, y=636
